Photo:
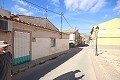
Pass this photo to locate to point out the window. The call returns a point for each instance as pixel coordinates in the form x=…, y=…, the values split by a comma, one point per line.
x=53, y=41
x=118, y=31
x=103, y=31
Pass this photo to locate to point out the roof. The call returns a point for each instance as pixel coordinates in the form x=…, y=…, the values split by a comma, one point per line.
x=69, y=31
x=109, y=23
x=38, y=21
x=23, y=22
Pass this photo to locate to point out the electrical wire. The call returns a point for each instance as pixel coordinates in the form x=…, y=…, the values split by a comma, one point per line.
x=67, y=21
x=41, y=7
x=50, y=11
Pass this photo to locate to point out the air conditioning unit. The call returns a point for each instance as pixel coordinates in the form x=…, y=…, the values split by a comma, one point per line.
x=6, y=25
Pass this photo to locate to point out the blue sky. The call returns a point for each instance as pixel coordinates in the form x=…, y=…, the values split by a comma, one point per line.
x=82, y=14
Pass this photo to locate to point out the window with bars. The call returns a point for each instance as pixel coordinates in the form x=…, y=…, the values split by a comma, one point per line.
x=53, y=42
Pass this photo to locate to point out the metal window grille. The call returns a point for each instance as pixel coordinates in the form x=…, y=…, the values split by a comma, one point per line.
x=53, y=42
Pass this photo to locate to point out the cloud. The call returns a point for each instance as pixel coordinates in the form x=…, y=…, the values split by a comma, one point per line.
x=117, y=7
x=85, y=5
x=20, y=10
x=55, y=2
x=105, y=16
x=28, y=6
x=98, y=6
x=20, y=2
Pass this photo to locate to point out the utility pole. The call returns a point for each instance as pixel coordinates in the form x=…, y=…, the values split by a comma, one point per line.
x=2, y=5
x=96, y=34
x=61, y=24
x=46, y=15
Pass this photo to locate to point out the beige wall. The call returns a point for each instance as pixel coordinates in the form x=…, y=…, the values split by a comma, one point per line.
x=65, y=36
x=4, y=12
x=38, y=32
x=40, y=40
x=42, y=48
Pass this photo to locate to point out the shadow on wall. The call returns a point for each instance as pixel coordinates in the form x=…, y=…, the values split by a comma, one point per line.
x=70, y=76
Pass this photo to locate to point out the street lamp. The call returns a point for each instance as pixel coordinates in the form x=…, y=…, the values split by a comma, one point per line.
x=96, y=35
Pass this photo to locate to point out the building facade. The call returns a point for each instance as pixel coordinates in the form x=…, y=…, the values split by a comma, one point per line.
x=108, y=34
x=30, y=40
x=74, y=37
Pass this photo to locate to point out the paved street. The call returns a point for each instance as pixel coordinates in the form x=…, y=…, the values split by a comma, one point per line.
x=78, y=67
x=39, y=71
x=78, y=64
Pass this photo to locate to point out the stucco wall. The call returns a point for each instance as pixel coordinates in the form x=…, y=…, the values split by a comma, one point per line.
x=109, y=41
x=38, y=32
x=42, y=48
x=40, y=39
x=107, y=33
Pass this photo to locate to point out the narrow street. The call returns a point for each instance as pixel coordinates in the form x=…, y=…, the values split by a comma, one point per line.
x=78, y=67
x=60, y=40
x=39, y=71
x=75, y=65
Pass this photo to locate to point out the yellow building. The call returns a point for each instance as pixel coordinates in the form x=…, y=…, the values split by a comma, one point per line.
x=108, y=34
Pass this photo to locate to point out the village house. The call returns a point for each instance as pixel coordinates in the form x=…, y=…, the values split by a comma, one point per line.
x=74, y=37
x=85, y=39
x=31, y=37
x=108, y=34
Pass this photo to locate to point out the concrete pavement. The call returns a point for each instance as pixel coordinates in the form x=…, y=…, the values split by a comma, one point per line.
x=78, y=67
x=40, y=70
x=83, y=65
x=110, y=61
x=25, y=66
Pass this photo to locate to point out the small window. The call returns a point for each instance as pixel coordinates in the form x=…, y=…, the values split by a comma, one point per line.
x=118, y=31
x=33, y=39
x=103, y=31
x=53, y=41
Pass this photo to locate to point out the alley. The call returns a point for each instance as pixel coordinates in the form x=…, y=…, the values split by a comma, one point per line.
x=39, y=71
x=78, y=67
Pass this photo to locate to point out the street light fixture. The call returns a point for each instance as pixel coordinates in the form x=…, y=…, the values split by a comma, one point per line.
x=96, y=35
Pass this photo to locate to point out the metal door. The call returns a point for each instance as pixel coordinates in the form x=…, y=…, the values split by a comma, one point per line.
x=21, y=47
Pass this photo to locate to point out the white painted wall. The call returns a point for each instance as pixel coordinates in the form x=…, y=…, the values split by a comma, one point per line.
x=42, y=48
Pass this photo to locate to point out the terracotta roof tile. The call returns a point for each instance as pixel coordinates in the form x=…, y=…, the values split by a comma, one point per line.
x=23, y=22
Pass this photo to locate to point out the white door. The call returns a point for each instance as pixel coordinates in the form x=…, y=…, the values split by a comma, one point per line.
x=21, y=47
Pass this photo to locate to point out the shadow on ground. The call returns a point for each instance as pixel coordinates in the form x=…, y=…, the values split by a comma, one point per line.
x=39, y=71
x=69, y=76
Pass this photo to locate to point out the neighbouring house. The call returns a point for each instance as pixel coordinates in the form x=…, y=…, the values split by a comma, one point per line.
x=108, y=34
x=74, y=37
x=85, y=38
x=30, y=37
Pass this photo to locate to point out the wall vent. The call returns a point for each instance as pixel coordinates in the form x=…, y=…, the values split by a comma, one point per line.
x=5, y=25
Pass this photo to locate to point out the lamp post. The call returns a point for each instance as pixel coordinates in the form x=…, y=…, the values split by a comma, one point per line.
x=96, y=35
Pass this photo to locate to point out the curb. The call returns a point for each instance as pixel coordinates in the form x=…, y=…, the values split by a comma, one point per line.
x=98, y=68
x=31, y=64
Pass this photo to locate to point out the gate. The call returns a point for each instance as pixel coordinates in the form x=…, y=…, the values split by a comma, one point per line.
x=21, y=47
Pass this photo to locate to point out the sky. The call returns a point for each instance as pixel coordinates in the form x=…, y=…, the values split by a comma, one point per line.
x=79, y=14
